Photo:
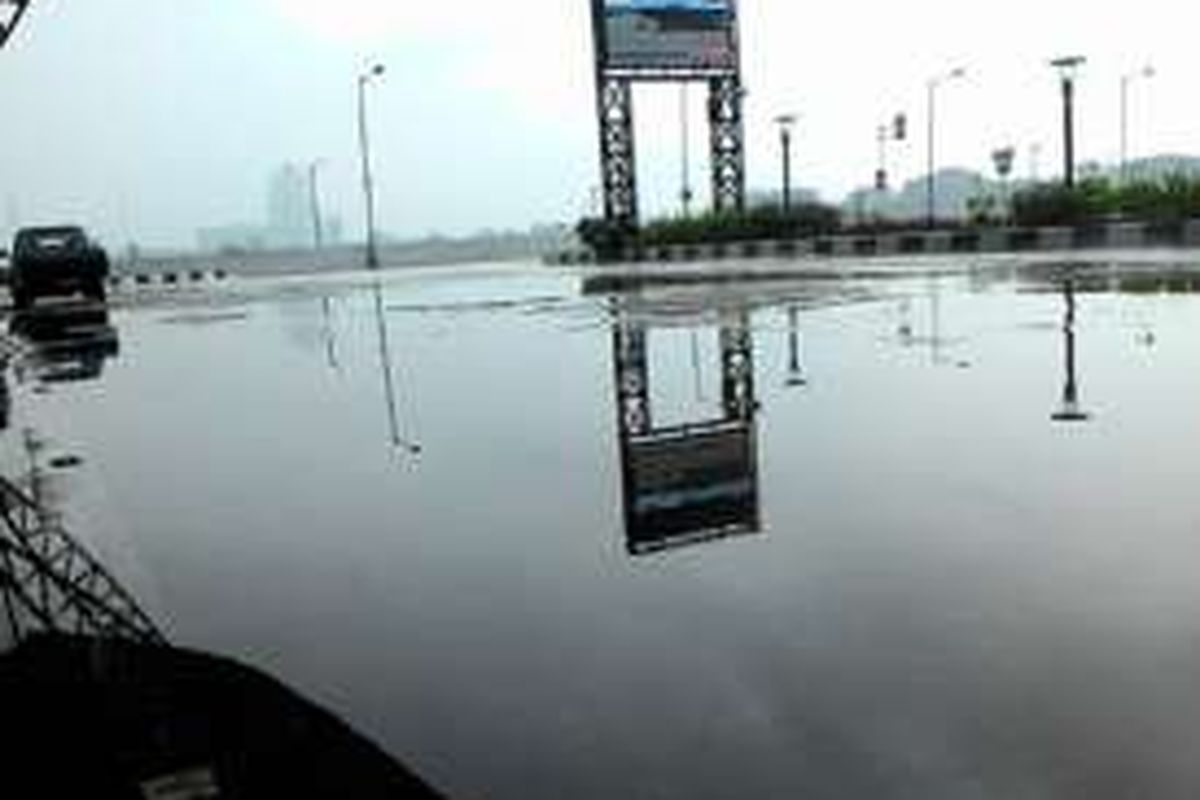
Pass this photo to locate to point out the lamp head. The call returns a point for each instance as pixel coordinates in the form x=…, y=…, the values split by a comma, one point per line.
x=1068, y=64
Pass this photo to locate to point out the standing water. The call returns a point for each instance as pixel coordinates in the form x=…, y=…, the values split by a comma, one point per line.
x=926, y=536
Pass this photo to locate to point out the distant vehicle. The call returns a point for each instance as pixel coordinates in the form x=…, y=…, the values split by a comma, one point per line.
x=56, y=261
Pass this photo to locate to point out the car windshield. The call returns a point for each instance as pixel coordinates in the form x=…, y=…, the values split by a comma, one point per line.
x=51, y=239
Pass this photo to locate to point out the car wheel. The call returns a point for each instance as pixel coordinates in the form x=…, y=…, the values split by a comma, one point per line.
x=21, y=299
x=96, y=291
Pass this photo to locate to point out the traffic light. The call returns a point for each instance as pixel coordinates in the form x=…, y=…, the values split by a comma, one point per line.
x=900, y=127
x=881, y=180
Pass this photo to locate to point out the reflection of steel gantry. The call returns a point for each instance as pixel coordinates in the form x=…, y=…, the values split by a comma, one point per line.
x=11, y=12
x=49, y=583
x=694, y=482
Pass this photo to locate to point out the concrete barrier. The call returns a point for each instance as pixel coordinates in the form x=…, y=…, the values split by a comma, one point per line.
x=1191, y=233
x=938, y=241
x=1126, y=234
x=965, y=242
x=993, y=240
x=843, y=246
x=1056, y=238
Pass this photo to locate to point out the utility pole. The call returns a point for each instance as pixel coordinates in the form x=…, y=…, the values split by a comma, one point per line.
x=685, y=167
x=314, y=198
x=1145, y=72
x=786, y=122
x=372, y=255
x=931, y=87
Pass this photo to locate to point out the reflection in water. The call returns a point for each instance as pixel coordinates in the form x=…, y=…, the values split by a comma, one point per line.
x=1070, y=410
x=330, y=336
x=795, y=376
x=70, y=342
x=389, y=385
x=694, y=482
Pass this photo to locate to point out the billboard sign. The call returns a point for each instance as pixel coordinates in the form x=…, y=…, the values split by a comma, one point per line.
x=690, y=486
x=670, y=34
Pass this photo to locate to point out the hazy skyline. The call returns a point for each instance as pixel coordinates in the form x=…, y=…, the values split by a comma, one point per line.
x=148, y=119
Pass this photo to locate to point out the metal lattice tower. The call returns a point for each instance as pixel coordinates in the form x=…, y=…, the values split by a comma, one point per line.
x=614, y=106
x=726, y=126
x=617, y=150
x=11, y=12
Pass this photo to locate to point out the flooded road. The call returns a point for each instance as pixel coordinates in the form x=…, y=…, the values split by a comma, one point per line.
x=927, y=536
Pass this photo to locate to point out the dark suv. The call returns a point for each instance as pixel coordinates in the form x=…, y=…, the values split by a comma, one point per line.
x=56, y=261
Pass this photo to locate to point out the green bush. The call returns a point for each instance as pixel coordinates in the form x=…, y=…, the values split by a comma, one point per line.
x=763, y=222
x=1169, y=199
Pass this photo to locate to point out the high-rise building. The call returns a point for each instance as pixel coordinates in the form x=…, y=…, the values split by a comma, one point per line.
x=289, y=212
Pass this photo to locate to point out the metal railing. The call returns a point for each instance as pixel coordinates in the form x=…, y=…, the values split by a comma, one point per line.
x=50, y=583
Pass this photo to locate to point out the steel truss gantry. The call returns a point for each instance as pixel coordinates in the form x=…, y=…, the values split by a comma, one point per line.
x=11, y=12
x=50, y=583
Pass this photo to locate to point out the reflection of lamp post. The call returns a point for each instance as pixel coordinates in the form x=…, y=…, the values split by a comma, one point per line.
x=795, y=376
x=1070, y=410
x=1145, y=72
x=365, y=152
x=786, y=123
x=931, y=87
x=1068, y=69
x=389, y=388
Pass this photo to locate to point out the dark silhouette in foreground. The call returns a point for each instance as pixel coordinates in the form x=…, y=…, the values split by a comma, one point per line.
x=103, y=718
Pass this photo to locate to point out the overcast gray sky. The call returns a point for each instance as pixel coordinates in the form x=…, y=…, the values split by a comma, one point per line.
x=151, y=118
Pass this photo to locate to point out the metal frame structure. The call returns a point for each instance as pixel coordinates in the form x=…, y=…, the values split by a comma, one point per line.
x=7, y=29
x=636, y=429
x=615, y=116
x=50, y=583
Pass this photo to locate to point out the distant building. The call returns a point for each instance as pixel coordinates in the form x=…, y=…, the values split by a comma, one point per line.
x=288, y=225
x=232, y=239
x=289, y=208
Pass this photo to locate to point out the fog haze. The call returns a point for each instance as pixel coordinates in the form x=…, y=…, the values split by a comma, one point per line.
x=149, y=119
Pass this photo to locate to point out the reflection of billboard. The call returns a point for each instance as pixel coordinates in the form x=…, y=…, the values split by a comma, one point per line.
x=670, y=34
x=690, y=485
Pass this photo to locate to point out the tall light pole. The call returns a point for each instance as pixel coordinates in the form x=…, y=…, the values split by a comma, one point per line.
x=1068, y=69
x=685, y=167
x=931, y=87
x=786, y=123
x=314, y=202
x=364, y=144
x=1145, y=72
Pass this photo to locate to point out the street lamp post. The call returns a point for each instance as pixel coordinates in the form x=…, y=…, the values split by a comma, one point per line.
x=931, y=87
x=365, y=152
x=786, y=123
x=1068, y=68
x=685, y=177
x=1145, y=72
